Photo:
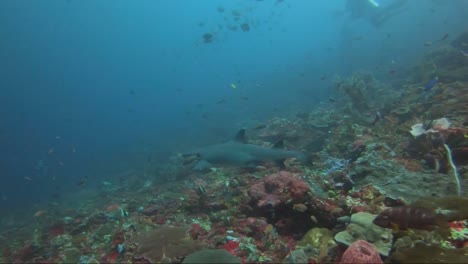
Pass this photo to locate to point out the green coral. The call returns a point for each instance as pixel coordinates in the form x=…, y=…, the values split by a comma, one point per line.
x=247, y=245
x=459, y=234
x=317, y=237
x=204, y=224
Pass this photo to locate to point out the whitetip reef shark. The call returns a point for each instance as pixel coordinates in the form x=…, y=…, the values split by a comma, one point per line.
x=239, y=153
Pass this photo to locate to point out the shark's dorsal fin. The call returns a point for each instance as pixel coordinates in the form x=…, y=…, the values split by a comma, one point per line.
x=279, y=144
x=240, y=137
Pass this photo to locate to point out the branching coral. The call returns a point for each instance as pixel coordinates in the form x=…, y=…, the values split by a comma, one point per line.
x=363, y=95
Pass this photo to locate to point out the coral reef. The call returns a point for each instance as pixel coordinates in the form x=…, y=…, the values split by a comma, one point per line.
x=374, y=146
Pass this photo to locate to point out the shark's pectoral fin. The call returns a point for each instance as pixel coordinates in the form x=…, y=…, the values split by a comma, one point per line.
x=202, y=165
x=252, y=164
x=240, y=137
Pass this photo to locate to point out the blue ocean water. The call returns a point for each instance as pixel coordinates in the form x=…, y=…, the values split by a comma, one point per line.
x=90, y=88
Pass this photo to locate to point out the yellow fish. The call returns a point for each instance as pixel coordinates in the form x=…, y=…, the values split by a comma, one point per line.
x=268, y=229
x=300, y=207
x=233, y=86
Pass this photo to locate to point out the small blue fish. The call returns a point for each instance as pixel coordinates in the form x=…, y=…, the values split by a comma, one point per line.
x=431, y=84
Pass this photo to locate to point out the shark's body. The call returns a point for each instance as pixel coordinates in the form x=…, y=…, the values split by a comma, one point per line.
x=240, y=154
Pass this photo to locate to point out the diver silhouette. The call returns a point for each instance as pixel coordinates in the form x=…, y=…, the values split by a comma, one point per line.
x=374, y=11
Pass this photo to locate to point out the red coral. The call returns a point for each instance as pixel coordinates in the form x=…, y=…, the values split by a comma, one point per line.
x=118, y=238
x=231, y=246
x=361, y=252
x=196, y=230
x=57, y=229
x=358, y=145
x=25, y=254
x=112, y=257
x=160, y=220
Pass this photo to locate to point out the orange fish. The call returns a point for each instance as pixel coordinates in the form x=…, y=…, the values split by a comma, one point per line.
x=112, y=207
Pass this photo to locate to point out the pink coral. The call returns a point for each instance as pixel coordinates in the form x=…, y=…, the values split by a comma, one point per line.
x=269, y=200
x=257, y=190
x=298, y=189
x=277, y=181
x=361, y=252
x=278, y=188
